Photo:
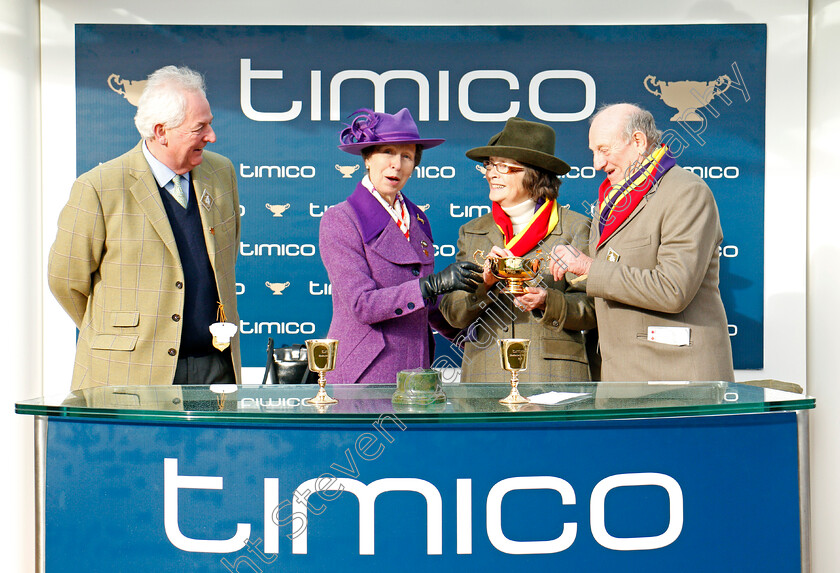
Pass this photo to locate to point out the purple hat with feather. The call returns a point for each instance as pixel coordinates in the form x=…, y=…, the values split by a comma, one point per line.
x=371, y=128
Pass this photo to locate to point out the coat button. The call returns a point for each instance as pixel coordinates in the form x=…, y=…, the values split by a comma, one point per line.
x=398, y=311
x=172, y=352
x=176, y=317
x=505, y=329
x=426, y=252
x=555, y=323
x=410, y=306
x=415, y=272
x=179, y=284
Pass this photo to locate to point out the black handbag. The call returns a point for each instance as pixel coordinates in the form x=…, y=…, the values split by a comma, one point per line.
x=288, y=365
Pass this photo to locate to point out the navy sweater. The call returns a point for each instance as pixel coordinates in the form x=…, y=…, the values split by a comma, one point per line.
x=200, y=293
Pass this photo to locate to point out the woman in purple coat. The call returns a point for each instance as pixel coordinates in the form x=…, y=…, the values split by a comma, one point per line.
x=378, y=250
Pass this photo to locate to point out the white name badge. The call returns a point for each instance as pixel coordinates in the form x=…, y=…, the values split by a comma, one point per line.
x=673, y=335
x=222, y=333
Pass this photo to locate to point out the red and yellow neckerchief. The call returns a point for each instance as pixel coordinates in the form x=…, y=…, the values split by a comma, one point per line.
x=538, y=228
x=617, y=202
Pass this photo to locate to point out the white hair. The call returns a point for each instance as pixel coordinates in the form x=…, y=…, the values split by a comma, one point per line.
x=638, y=119
x=163, y=101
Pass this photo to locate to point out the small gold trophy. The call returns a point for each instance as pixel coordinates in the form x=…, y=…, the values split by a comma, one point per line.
x=320, y=353
x=514, y=358
x=515, y=271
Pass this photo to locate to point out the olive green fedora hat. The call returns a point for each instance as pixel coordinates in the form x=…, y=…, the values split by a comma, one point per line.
x=528, y=142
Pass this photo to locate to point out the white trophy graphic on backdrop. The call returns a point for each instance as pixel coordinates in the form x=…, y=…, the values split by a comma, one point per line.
x=129, y=89
x=686, y=96
x=277, y=288
x=347, y=170
x=278, y=210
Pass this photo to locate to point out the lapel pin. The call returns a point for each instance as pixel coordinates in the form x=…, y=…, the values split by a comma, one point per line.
x=424, y=243
x=612, y=256
x=206, y=200
x=420, y=219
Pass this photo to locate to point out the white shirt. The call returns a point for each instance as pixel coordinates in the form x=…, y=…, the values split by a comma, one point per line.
x=163, y=174
x=399, y=212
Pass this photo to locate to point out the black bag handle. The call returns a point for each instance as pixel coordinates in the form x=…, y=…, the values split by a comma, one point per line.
x=269, y=365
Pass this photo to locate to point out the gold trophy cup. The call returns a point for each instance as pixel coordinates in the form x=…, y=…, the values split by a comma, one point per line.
x=320, y=353
x=515, y=271
x=514, y=353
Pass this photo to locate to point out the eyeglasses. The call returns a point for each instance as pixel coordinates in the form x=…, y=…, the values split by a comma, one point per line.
x=502, y=168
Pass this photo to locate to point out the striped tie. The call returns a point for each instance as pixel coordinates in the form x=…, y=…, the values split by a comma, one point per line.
x=178, y=192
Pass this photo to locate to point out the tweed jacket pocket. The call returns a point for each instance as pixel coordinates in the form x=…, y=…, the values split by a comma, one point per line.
x=113, y=342
x=125, y=318
x=636, y=243
x=559, y=349
x=480, y=232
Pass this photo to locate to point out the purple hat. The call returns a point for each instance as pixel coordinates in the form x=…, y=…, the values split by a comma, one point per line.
x=374, y=128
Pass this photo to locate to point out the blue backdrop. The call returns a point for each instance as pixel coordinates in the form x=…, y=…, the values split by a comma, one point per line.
x=280, y=94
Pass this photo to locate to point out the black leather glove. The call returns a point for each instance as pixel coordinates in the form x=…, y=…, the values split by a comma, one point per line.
x=462, y=275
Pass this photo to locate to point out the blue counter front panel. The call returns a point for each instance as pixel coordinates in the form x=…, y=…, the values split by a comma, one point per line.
x=683, y=494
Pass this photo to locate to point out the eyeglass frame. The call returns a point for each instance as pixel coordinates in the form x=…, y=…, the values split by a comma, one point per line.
x=508, y=168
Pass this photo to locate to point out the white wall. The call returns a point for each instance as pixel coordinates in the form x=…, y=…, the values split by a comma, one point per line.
x=824, y=282
x=20, y=335
x=786, y=199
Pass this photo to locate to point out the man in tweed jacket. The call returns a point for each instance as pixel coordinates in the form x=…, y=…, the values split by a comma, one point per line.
x=655, y=276
x=140, y=265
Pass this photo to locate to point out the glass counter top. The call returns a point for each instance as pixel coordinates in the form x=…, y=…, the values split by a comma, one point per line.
x=464, y=402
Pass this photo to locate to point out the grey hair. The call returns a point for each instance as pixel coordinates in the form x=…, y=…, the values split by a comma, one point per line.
x=637, y=120
x=163, y=100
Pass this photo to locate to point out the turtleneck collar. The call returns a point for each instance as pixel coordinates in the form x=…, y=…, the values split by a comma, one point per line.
x=520, y=214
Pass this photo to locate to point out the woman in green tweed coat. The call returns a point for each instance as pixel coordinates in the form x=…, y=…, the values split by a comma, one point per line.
x=525, y=221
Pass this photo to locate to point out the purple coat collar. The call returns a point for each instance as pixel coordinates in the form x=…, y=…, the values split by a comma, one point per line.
x=373, y=218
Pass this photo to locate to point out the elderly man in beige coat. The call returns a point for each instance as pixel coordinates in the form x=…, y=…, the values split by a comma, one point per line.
x=654, y=266
x=144, y=258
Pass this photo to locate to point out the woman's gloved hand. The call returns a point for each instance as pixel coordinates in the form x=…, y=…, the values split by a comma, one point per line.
x=462, y=275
